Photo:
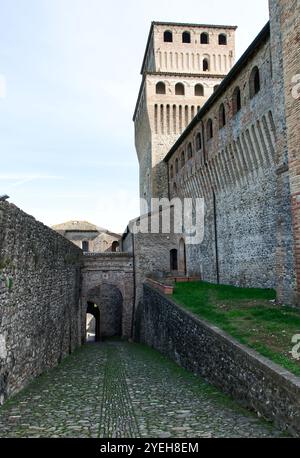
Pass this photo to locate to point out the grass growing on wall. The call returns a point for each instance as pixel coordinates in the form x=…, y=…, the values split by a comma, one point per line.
x=249, y=315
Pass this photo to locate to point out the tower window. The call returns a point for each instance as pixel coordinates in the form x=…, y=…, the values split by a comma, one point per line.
x=85, y=246
x=160, y=88
x=204, y=38
x=205, y=65
x=199, y=90
x=186, y=37
x=182, y=159
x=222, y=39
x=172, y=172
x=198, y=141
x=168, y=36
x=254, y=82
x=209, y=129
x=176, y=166
x=179, y=89
x=190, y=151
x=222, y=116
x=236, y=101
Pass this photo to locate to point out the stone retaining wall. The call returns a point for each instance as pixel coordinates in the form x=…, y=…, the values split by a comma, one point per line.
x=40, y=309
x=205, y=350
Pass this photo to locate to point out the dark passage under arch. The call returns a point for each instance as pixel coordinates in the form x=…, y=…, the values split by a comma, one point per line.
x=105, y=303
x=93, y=310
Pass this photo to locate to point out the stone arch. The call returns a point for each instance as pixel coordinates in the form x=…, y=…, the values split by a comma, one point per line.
x=109, y=301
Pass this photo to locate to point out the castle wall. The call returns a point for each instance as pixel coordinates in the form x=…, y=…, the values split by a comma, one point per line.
x=234, y=171
x=285, y=26
x=203, y=349
x=40, y=311
x=151, y=252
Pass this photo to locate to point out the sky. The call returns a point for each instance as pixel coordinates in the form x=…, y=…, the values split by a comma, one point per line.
x=69, y=79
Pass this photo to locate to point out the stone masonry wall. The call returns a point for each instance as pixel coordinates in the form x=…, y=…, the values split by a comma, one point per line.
x=108, y=282
x=285, y=23
x=39, y=299
x=285, y=268
x=205, y=350
x=237, y=173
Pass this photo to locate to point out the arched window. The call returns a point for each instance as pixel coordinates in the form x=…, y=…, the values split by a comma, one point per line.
x=182, y=159
x=168, y=36
x=172, y=171
x=186, y=37
x=115, y=246
x=209, y=129
x=85, y=246
x=198, y=141
x=190, y=151
x=236, y=100
x=222, y=39
x=204, y=38
x=205, y=65
x=199, y=90
x=179, y=89
x=254, y=82
x=216, y=87
x=222, y=116
x=160, y=88
x=176, y=166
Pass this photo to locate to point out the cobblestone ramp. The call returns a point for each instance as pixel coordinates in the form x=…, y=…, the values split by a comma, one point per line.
x=121, y=390
x=117, y=414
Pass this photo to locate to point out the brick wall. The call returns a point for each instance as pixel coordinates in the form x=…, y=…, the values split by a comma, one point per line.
x=285, y=20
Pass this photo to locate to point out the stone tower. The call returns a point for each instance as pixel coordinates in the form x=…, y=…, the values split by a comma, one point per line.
x=183, y=65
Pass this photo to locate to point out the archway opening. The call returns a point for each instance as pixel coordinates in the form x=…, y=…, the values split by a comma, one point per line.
x=115, y=247
x=92, y=323
x=109, y=304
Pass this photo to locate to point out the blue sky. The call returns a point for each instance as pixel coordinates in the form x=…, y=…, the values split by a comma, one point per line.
x=69, y=78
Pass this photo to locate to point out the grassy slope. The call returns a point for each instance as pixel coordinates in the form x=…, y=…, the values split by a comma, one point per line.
x=249, y=315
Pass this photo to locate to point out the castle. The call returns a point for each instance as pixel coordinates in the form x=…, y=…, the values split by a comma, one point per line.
x=204, y=127
x=231, y=140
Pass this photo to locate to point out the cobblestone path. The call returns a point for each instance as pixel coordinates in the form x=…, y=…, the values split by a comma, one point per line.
x=116, y=389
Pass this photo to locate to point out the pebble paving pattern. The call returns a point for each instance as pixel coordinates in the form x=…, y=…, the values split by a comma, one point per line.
x=116, y=389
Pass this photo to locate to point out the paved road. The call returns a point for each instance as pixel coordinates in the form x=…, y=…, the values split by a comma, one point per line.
x=117, y=389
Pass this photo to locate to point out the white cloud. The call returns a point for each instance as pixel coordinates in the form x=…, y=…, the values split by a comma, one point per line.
x=19, y=180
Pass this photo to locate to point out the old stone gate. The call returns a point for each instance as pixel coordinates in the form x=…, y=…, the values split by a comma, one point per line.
x=108, y=293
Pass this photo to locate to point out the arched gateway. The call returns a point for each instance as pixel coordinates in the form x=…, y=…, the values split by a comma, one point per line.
x=108, y=294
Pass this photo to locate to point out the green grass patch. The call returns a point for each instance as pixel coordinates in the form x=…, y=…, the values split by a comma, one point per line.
x=250, y=315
